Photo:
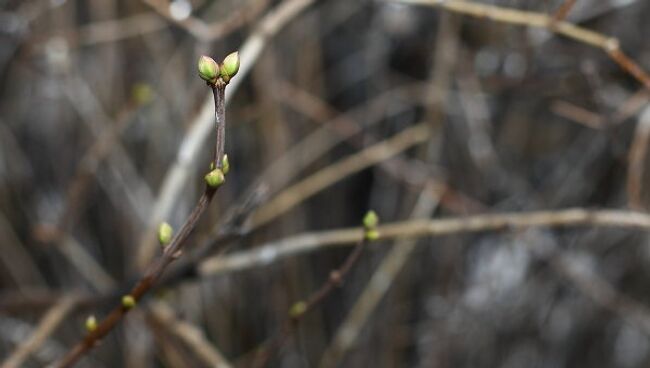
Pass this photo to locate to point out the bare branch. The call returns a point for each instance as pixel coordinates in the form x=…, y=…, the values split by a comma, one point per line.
x=306, y=242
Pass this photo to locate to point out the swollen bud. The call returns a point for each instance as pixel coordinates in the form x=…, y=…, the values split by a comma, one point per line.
x=165, y=233
x=370, y=220
x=298, y=309
x=230, y=66
x=208, y=69
x=91, y=323
x=371, y=234
x=128, y=301
x=225, y=165
x=214, y=178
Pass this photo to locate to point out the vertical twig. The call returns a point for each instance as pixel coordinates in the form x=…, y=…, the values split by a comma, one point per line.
x=171, y=252
x=335, y=279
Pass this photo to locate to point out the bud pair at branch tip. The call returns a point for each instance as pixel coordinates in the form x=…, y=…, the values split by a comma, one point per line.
x=210, y=71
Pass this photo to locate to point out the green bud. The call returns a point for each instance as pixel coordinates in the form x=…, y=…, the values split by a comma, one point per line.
x=297, y=309
x=225, y=165
x=91, y=323
x=370, y=220
x=215, y=178
x=141, y=93
x=371, y=234
x=230, y=66
x=208, y=69
x=128, y=301
x=165, y=233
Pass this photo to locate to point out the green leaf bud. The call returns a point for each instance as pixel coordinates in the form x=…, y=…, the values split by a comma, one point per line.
x=371, y=234
x=128, y=301
x=225, y=165
x=165, y=233
x=141, y=93
x=230, y=66
x=208, y=69
x=297, y=309
x=370, y=220
x=214, y=178
x=91, y=323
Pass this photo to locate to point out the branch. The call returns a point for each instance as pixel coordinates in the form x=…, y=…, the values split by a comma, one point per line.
x=46, y=326
x=191, y=335
x=217, y=79
x=190, y=148
x=335, y=279
x=311, y=241
x=294, y=194
x=637, y=160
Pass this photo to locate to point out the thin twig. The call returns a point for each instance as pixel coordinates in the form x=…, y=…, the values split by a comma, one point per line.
x=46, y=326
x=311, y=185
x=578, y=114
x=307, y=242
x=564, y=9
x=162, y=315
x=637, y=158
x=444, y=68
x=301, y=308
x=170, y=252
x=379, y=283
x=610, y=45
x=190, y=148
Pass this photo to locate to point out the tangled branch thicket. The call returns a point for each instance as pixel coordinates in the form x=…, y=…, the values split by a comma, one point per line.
x=504, y=145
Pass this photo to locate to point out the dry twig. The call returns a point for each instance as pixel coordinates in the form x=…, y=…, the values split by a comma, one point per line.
x=46, y=327
x=637, y=158
x=299, y=309
x=162, y=315
x=311, y=185
x=306, y=242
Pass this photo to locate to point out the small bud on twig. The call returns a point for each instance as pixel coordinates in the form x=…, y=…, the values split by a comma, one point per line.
x=298, y=309
x=214, y=178
x=141, y=93
x=208, y=69
x=371, y=234
x=128, y=301
x=91, y=323
x=230, y=66
x=165, y=233
x=225, y=165
x=370, y=221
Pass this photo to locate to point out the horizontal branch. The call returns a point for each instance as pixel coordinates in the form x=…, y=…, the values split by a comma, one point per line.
x=306, y=242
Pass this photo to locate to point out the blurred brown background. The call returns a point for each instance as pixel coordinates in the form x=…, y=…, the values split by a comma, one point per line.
x=102, y=136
